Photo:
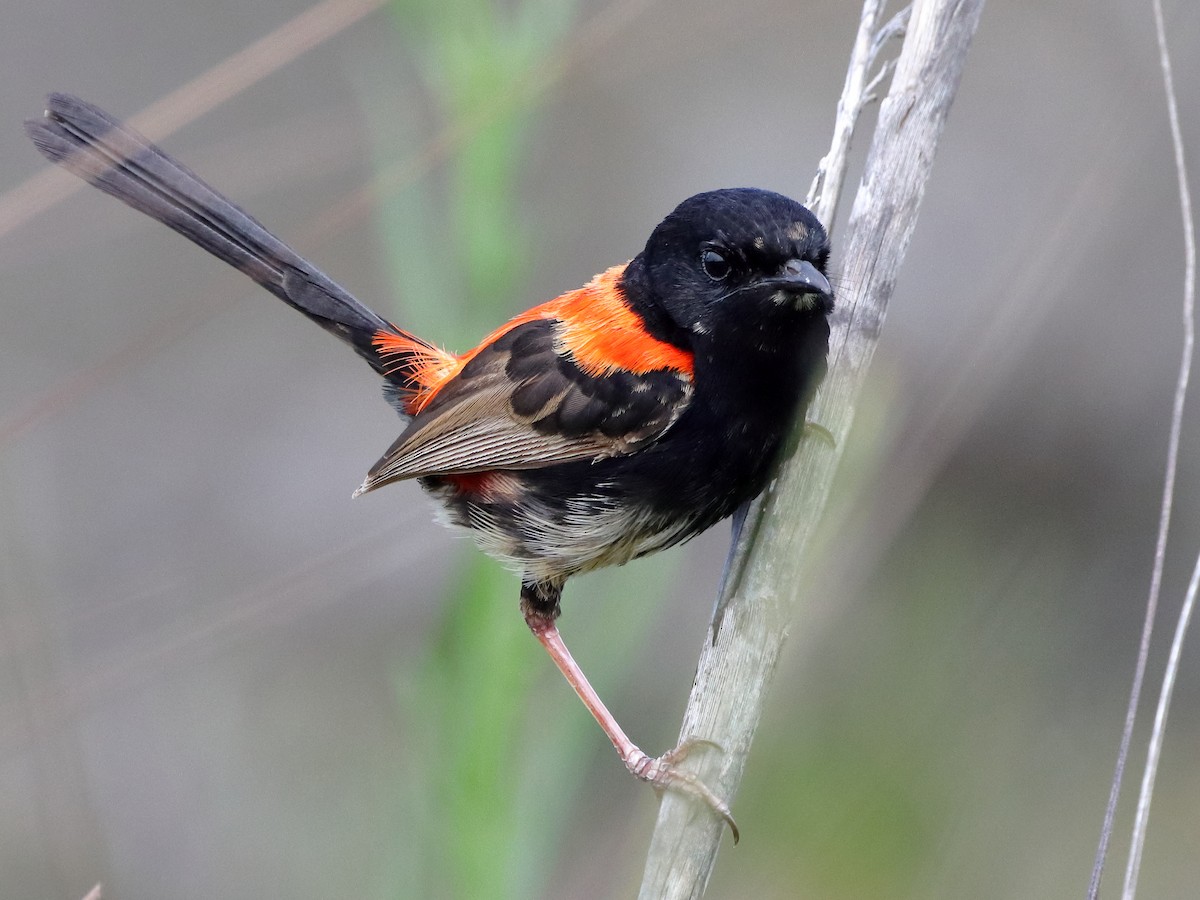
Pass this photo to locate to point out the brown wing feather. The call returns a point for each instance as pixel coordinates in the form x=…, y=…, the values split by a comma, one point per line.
x=521, y=403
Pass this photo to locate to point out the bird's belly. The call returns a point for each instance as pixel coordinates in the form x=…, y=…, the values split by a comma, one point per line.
x=545, y=535
x=550, y=523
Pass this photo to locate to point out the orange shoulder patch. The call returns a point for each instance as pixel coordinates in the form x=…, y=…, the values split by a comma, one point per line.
x=596, y=327
x=604, y=335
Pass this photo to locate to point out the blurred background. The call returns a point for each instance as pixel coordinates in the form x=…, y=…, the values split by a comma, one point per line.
x=219, y=677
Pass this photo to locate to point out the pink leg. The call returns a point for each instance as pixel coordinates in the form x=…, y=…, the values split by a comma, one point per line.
x=660, y=772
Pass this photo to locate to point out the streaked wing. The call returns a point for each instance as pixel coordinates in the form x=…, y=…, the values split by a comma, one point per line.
x=522, y=403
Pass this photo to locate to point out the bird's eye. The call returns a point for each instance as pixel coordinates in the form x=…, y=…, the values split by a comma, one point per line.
x=714, y=264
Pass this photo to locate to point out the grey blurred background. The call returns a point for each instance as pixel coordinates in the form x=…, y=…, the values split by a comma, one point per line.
x=209, y=656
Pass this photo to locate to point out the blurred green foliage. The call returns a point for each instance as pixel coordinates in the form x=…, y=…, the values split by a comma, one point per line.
x=459, y=243
x=472, y=688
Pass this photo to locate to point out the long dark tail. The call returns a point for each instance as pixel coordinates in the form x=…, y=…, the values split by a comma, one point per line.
x=92, y=144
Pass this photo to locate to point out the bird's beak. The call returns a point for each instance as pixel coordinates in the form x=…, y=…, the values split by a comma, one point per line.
x=802, y=279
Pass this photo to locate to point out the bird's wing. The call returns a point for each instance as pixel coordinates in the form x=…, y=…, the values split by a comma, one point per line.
x=524, y=401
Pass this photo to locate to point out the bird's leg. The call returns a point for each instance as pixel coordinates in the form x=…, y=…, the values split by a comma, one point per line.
x=539, y=604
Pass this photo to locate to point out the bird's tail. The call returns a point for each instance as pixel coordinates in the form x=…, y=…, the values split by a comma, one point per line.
x=109, y=155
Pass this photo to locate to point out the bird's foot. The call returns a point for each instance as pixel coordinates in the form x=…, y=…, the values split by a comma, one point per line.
x=822, y=433
x=662, y=774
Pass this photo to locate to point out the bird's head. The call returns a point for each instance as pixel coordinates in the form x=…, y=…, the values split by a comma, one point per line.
x=736, y=254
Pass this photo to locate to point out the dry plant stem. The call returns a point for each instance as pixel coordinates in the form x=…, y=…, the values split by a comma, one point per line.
x=823, y=196
x=1141, y=819
x=827, y=184
x=764, y=584
x=1154, y=752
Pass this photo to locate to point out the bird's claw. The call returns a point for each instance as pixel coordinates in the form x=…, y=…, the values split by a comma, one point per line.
x=681, y=752
x=661, y=774
x=820, y=432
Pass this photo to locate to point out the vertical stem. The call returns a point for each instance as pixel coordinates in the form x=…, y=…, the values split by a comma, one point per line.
x=739, y=657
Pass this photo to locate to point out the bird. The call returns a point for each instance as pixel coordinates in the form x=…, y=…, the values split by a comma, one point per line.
x=613, y=421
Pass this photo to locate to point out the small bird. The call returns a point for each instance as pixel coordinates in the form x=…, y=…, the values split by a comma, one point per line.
x=616, y=420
